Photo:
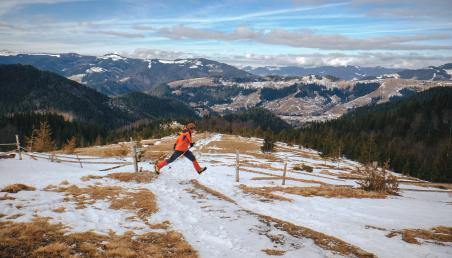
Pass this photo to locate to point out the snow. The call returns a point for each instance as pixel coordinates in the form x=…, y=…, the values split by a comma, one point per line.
x=217, y=228
x=95, y=69
x=45, y=54
x=114, y=57
x=7, y=53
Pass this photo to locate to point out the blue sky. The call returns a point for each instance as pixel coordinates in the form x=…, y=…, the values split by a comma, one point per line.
x=405, y=33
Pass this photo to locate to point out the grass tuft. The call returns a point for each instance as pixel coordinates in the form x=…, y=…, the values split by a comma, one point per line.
x=14, y=188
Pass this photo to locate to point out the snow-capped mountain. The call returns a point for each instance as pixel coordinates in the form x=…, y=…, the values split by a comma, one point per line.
x=295, y=99
x=342, y=72
x=114, y=74
x=434, y=73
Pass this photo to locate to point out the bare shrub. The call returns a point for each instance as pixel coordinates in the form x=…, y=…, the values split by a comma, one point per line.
x=14, y=188
x=41, y=139
x=304, y=167
x=379, y=180
x=69, y=146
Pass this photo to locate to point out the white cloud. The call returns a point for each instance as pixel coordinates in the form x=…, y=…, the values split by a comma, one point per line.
x=308, y=39
x=410, y=60
x=8, y=5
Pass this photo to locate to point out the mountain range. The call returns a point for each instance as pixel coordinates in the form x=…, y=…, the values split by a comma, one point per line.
x=27, y=89
x=210, y=87
x=113, y=74
x=349, y=72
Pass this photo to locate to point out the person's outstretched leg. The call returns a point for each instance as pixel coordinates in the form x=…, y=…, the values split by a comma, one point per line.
x=163, y=163
x=196, y=165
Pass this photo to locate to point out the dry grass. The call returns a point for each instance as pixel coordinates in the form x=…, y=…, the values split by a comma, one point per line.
x=114, y=150
x=323, y=191
x=140, y=177
x=274, y=252
x=42, y=239
x=64, y=182
x=163, y=225
x=322, y=240
x=219, y=195
x=438, y=235
x=14, y=188
x=142, y=202
x=90, y=177
x=6, y=197
x=15, y=216
x=59, y=209
x=231, y=143
x=443, y=186
x=267, y=194
x=274, y=176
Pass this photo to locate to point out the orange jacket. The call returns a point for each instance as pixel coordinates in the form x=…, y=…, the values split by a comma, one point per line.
x=183, y=141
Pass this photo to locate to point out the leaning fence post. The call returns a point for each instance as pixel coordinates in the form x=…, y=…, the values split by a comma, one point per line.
x=18, y=147
x=79, y=160
x=237, y=167
x=284, y=173
x=134, y=153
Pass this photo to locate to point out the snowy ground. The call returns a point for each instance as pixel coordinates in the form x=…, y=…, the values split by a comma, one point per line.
x=221, y=228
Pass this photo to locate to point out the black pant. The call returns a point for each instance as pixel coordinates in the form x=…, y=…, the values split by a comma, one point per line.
x=188, y=154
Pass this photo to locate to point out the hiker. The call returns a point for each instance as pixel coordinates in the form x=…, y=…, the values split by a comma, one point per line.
x=181, y=147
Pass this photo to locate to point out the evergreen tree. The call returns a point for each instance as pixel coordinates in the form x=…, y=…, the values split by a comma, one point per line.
x=268, y=145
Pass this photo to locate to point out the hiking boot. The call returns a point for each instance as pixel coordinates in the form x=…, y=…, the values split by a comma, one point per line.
x=202, y=170
x=157, y=169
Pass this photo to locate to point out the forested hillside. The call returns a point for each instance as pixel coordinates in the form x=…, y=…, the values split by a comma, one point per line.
x=414, y=134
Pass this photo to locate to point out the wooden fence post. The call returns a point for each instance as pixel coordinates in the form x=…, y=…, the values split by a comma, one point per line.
x=18, y=147
x=134, y=153
x=237, y=166
x=79, y=160
x=284, y=173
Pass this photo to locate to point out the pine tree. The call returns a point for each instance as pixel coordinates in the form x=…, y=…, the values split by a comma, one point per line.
x=268, y=145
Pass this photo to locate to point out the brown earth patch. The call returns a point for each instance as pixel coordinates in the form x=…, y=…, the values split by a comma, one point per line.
x=438, y=235
x=14, y=188
x=39, y=238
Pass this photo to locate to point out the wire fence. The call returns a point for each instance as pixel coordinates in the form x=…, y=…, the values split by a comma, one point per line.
x=53, y=157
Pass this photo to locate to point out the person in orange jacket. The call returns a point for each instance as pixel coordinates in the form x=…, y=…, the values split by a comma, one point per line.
x=181, y=147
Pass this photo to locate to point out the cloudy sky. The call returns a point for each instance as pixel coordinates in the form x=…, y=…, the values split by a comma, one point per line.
x=391, y=33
